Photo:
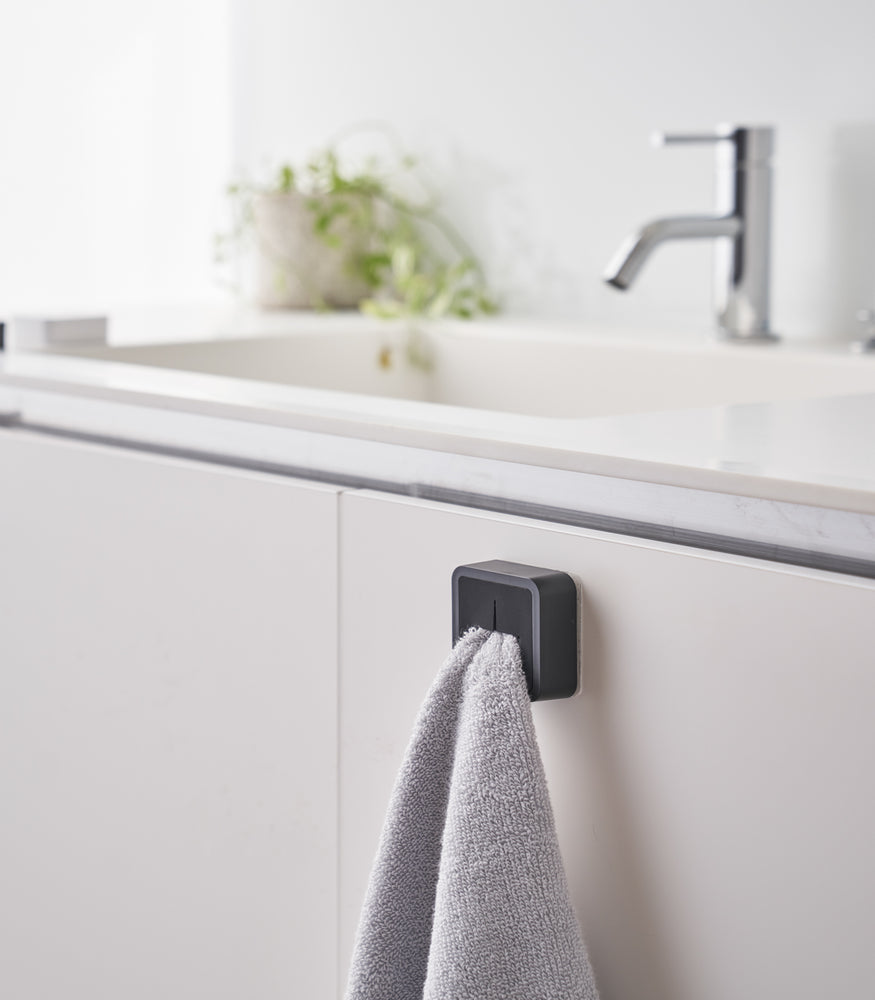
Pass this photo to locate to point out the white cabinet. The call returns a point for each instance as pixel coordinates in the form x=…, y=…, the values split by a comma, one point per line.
x=712, y=781
x=179, y=658
x=167, y=728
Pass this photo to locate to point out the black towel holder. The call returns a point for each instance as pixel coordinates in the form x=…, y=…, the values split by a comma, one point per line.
x=538, y=606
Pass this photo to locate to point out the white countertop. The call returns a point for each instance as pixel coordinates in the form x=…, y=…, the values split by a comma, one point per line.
x=737, y=470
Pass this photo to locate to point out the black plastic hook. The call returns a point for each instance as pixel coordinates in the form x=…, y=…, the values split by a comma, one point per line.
x=538, y=606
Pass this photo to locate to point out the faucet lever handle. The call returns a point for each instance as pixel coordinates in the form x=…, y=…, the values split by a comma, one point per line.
x=751, y=143
x=688, y=138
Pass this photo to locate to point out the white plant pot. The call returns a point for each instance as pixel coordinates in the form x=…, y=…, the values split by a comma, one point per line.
x=295, y=268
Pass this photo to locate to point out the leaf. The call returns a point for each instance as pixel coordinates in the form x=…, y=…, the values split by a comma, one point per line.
x=420, y=288
x=403, y=263
x=286, y=182
x=440, y=305
x=372, y=266
x=382, y=308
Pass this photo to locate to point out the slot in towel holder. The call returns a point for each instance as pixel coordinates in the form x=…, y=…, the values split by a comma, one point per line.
x=538, y=606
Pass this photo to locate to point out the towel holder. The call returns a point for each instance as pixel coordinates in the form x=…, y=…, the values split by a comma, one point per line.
x=538, y=606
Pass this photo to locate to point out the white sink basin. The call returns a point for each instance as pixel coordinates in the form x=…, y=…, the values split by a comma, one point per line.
x=516, y=369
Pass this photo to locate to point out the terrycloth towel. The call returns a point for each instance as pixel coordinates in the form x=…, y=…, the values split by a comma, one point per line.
x=468, y=898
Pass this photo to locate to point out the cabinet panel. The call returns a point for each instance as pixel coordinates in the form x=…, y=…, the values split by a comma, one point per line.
x=167, y=728
x=711, y=781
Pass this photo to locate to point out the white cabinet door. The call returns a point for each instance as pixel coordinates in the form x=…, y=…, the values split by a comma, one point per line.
x=167, y=728
x=713, y=780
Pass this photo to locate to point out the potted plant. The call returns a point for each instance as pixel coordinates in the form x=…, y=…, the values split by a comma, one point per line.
x=328, y=237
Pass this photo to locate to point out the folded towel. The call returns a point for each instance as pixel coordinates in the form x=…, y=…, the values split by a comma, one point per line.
x=468, y=898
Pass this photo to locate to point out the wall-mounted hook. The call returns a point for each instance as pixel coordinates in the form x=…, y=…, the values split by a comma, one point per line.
x=538, y=606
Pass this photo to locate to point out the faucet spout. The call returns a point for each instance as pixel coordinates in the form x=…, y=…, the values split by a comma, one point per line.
x=626, y=264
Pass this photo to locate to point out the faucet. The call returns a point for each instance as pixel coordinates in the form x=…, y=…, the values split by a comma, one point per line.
x=741, y=226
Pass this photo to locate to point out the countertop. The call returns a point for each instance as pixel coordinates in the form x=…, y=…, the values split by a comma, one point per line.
x=793, y=473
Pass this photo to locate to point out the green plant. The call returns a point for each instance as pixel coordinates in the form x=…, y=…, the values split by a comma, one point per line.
x=413, y=263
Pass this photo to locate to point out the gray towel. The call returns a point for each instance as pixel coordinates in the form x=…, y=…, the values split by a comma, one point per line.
x=468, y=898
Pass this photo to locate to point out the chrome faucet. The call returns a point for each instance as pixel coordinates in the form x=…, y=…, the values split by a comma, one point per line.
x=741, y=225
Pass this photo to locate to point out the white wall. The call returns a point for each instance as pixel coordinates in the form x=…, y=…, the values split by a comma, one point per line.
x=537, y=116
x=117, y=137
x=114, y=150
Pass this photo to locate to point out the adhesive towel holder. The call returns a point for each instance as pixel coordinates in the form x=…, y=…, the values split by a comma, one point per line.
x=538, y=606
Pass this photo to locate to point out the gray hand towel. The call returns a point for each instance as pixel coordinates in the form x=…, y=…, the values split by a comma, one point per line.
x=468, y=898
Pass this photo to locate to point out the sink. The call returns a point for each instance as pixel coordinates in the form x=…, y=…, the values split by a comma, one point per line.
x=530, y=416
x=513, y=369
